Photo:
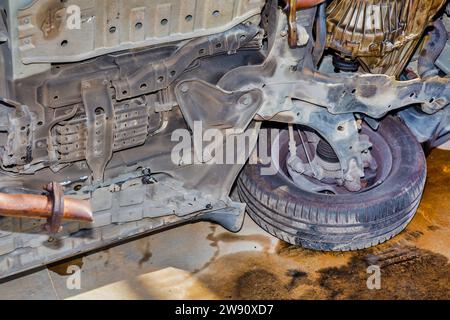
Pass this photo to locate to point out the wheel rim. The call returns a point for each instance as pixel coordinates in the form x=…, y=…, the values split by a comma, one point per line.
x=381, y=153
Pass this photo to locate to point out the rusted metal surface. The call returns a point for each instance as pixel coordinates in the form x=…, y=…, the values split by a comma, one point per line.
x=303, y=4
x=292, y=24
x=292, y=6
x=56, y=195
x=42, y=207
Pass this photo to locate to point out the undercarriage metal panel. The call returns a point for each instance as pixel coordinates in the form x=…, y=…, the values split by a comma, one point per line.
x=215, y=108
x=121, y=215
x=125, y=205
x=110, y=26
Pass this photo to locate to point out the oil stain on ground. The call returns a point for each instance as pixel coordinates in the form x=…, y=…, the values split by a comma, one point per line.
x=409, y=273
x=414, y=265
x=146, y=254
x=253, y=275
x=406, y=273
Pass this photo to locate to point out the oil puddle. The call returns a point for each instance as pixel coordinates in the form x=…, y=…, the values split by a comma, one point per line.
x=311, y=261
x=227, y=237
x=406, y=273
x=253, y=275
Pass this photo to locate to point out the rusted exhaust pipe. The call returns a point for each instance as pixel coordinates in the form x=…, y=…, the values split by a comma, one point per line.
x=53, y=207
x=40, y=207
x=304, y=4
x=292, y=6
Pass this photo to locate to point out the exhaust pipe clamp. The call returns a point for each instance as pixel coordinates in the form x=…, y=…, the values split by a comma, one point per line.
x=56, y=196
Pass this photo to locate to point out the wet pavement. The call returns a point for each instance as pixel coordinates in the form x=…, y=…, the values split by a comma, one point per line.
x=203, y=261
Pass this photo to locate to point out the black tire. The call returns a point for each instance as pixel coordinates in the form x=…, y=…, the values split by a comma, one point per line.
x=349, y=222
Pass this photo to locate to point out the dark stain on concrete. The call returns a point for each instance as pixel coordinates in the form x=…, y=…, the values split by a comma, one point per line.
x=406, y=273
x=422, y=275
x=260, y=284
x=251, y=275
x=147, y=254
x=228, y=237
x=296, y=277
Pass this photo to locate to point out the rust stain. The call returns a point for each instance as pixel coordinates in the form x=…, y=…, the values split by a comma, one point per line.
x=50, y=19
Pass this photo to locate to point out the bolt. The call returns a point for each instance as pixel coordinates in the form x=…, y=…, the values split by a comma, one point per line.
x=147, y=180
x=209, y=206
x=147, y=177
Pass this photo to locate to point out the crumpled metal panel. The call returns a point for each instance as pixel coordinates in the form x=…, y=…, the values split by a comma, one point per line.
x=381, y=34
x=113, y=25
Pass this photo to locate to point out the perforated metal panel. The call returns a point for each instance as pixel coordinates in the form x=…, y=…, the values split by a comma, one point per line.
x=114, y=25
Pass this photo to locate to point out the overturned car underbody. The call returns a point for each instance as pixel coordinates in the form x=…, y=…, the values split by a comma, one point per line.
x=123, y=122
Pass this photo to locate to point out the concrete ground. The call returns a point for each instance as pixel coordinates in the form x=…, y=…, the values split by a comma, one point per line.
x=203, y=261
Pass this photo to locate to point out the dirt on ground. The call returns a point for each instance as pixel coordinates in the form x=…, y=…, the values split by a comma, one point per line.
x=413, y=265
